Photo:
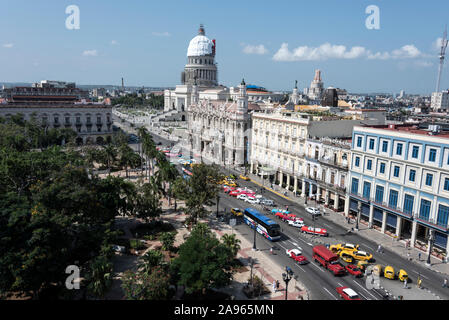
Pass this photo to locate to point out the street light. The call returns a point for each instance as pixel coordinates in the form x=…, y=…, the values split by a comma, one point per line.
x=255, y=230
x=431, y=240
x=359, y=210
x=287, y=276
x=218, y=199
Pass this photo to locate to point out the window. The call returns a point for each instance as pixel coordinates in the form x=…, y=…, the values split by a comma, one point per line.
x=382, y=167
x=446, y=184
x=359, y=142
x=429, y=178
x=355, y=185
x=357, y=161
x=408, y=203
x=366, y=190
x=424, y=211
x=393, y=201
x=379, y=194
x=384, y=146
x=443, y=213
x=412, y=175
x=396, y=171
x=369, y=164
x=371, y=144
x=432, y=155
x=415, y=152
x=399, y=149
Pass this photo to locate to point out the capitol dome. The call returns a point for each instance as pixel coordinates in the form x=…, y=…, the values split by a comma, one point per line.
x=200, y=45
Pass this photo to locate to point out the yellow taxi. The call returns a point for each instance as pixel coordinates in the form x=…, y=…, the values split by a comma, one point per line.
x=336, y=248
x=243, y=177
x=402, y=275
x=345, y=257
x=237, y=212
x=360, y=255
x=389, y=272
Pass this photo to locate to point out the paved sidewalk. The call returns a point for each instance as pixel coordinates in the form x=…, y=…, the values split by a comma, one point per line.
x=385, y=240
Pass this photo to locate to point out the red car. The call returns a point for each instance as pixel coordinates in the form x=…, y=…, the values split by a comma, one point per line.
x=227, y=189
x=296, y=255
x=316, y=231
x=234, y=193
x=347, y=293
x=354, y=270
x=285, y=217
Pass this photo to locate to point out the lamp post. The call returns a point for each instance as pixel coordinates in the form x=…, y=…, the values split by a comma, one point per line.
x=255, y=230
x=359, y=210
x=287, y=276
x=431, y=240
x=218, y=199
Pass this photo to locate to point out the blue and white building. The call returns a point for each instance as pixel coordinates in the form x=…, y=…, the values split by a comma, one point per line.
x=399, y=180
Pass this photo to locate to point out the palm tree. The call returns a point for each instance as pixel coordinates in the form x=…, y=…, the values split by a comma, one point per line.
x=128, y=158
x=110, y=154
x=230, y=241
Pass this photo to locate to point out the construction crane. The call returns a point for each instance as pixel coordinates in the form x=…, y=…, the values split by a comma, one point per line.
x=442, y=54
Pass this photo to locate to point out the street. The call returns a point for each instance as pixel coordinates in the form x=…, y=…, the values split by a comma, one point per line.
x=320, y=282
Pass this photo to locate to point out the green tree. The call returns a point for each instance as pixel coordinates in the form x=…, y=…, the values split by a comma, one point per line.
x=232, y=243
x=146, y=286
x=203, y=262
x=150, y=260
x=167, y=240
x=100, y=276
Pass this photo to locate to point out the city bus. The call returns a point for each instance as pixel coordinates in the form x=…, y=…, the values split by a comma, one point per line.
x=265, y=226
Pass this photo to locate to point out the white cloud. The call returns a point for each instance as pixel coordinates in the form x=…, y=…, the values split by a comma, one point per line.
x=161, y=34
x=90, y=53
x=114, y=42
x=423, y=64
x=8, y=45
x=328, y=51
x=323, y=52
x=250, y=49
x=406, y=52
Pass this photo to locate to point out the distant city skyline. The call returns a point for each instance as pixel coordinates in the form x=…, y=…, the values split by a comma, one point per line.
x=270, y=44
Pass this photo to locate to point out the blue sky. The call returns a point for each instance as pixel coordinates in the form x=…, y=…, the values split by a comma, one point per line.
x=269, y=43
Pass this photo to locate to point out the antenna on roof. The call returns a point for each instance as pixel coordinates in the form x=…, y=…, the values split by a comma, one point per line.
x=442, y=55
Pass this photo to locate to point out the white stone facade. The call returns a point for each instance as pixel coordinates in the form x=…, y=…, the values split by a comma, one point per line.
x=92, y=122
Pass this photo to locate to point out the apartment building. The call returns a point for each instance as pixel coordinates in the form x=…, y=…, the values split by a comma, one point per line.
x=399, y=183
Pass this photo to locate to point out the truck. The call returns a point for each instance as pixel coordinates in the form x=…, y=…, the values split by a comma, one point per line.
x=328, y=259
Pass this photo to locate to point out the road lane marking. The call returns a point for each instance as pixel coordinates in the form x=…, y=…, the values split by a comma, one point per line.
x=330, y=293
x=319, y=268
x=364, y=289
x=300, y=267
x=420, y=274
x=368, y=247
x=340, y=284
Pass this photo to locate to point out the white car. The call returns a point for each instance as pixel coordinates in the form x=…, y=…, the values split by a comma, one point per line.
x=296, y=223
x=296, y=252
x=242, y=196
x=313, y=211
x=252, y=201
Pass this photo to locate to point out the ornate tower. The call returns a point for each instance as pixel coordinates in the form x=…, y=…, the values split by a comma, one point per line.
x=242, y=98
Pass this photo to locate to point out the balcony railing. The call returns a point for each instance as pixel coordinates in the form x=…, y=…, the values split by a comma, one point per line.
x=343, y=164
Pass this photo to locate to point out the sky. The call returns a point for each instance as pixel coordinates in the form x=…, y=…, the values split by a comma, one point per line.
x=268, y=43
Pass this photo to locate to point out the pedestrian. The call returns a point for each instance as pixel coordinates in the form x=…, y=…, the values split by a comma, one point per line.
x=419, y=256
x=379, y=248
x=405, y=284
x=445, y=283
x=274, y=285
x=286, y=208
x=277, y=285
x=271, y=250
x=408, y=256
x=419, y=283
